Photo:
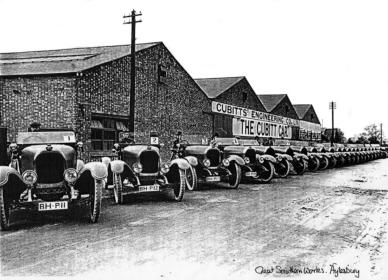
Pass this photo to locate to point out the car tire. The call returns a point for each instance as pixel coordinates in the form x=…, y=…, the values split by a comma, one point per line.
x=191, y=179
x=313, y=164
x=4, y=211
x=95, y=200
x=325, y=164
x=117, y=189
x=235, y=178
x=284, y=171
x=268, y=175
x=179, y=188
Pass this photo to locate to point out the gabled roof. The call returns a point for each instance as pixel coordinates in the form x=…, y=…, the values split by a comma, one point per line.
x=301, y=109
x=270, y=101
x=213, y=87
x=62, y=61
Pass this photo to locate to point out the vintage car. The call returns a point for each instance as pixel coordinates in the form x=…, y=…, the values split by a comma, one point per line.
x=312, y=159
x=258, y=168
x=318, y=153
x=46, y=174
x=213, y=166
x=298, y=160
x=139, y=169
x=282, y=165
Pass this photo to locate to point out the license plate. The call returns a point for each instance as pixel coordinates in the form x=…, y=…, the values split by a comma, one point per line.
x=213, y=179
x=52, y=205
x=151, y=188
x=250, y=174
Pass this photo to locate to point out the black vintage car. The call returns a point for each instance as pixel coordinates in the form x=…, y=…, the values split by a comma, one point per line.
x=298, y=160
x=213, y=167
x=45, y=174
x=282, y=164
x=139, y=169
x=257, y=168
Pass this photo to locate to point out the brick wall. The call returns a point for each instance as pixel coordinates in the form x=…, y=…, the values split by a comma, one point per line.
x=281, y=109
x=45, y=99
x=242, y=95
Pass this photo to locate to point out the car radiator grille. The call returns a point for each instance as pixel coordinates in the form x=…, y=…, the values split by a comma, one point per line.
x=214, y=156
x=150, y=161
x=50, y=168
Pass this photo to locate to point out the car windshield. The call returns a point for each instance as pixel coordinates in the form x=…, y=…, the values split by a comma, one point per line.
x=46, y=137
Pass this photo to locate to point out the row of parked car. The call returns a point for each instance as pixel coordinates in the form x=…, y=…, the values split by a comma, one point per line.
x=45, y=172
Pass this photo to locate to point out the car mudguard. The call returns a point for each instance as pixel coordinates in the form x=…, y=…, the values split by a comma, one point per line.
x=106, y=161
x=299, y=155
x=287, y=157
x=192, y=160
x=5, y=172
x=236, y=158
x=325, y=155
x=182, y=163
x=269, y=158
x=97, y=170
x=117, y=166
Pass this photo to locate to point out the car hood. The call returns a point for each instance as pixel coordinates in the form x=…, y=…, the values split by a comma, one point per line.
x=198, y=150
x=240, y=150
x=29, y=155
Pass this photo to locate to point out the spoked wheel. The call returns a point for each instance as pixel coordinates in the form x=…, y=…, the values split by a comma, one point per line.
x=265, y=172
x=4, y=210
x=235, y=177
x=313, y=164
x=283, y=168
x=95, y=200
x=118, y=188
x=191, y=179
x=300, y=166
x=324, y=163
x=332, y=162
x=340, y=162
x=179, y=186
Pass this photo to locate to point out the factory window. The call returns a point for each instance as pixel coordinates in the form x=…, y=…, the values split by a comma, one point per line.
x=312, y=117
x=245, y=96
x=105, y=132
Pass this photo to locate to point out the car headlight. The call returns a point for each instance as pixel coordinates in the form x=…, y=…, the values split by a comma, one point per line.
x=29, y=177
x=225, y=162
x=261, y=159
x=137, y=167
x=206, y=162
x=70, y=175
x=165, y=167
x=247, y=160
x=279, y=158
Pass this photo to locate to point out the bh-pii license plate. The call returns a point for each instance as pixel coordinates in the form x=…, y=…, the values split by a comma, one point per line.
x=52, y=205
x=150, y=188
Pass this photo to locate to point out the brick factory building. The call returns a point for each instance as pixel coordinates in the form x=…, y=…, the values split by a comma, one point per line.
x=309, y=125
x=87, y=89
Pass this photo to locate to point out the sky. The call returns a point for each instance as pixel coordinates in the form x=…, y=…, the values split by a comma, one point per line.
x=314, y=51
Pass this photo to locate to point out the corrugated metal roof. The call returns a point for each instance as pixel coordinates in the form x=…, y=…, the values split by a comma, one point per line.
x=62, y=61
x=213, y=87
x=301, y=109
x=270, y=101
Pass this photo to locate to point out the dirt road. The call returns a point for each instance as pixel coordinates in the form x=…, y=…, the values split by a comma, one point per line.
x=319, y=225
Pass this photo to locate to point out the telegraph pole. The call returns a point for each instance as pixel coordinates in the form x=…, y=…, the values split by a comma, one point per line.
x=132, y=21
x=381, y=134
x=332, y=106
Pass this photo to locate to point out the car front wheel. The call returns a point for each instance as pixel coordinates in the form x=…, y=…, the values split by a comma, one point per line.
x=191, y=179
x=179, y=187
x=235, y=177
x=4, y=210
x=95, y=200
x=283, y=168
x=265, y=174
x=118, y=189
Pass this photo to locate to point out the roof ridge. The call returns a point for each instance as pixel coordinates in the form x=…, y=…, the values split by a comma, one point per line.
x=78, y=48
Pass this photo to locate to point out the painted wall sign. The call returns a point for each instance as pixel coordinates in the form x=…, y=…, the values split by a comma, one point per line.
x=251, y=127
x=235, y=111
x=309, y=131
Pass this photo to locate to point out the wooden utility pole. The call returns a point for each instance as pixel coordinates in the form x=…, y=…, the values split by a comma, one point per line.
x=132, y=21
x=381, y=134
x=332, y=106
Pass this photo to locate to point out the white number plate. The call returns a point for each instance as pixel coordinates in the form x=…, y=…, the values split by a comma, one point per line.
x=250, y=174
x=52, y=205
x=213, y=179
x=151, y=188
